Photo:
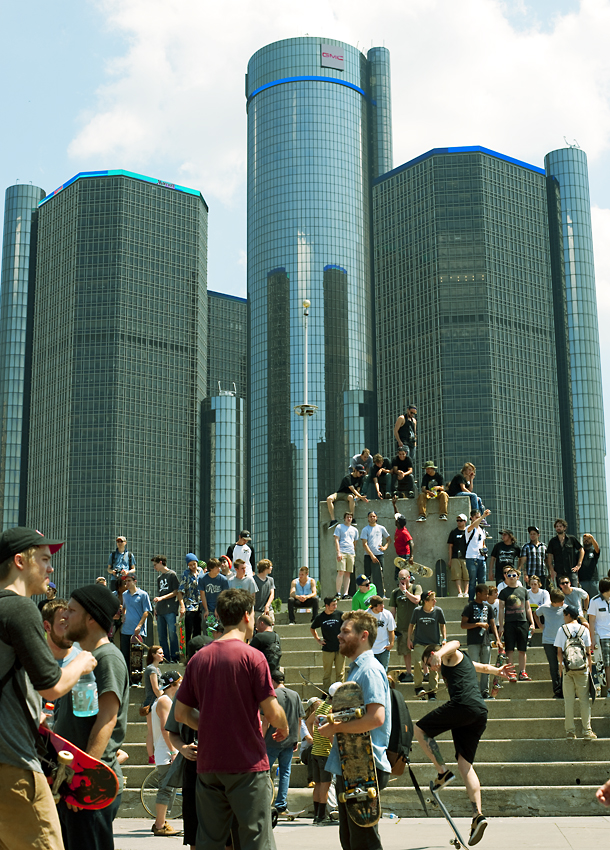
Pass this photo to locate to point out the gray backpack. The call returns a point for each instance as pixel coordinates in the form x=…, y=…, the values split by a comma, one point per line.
x=575, y=652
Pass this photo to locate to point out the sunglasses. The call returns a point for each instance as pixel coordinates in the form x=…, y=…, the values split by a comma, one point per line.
x=564, y=582
x=511, y=575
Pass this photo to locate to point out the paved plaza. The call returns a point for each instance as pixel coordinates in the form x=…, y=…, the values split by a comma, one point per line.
x=410, y=834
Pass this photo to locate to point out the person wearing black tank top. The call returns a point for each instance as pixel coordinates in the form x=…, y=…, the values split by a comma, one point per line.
x=465, y=715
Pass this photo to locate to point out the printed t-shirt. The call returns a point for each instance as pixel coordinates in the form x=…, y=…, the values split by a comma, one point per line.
x=385, y=624
x=427, y=625
x=588, y=568
x=600, y=608
x=330, y=625
x=514, y=599
x=212, y=588
x=457, y=538
x=228, y=680
x=478, y=612
x=167, y=583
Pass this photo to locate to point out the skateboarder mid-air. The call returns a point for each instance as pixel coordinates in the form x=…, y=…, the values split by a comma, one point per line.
x=465, y=715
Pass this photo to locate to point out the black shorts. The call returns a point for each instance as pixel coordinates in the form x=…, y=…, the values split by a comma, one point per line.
x=318, y=769
x=466, y=725
x=515, y=635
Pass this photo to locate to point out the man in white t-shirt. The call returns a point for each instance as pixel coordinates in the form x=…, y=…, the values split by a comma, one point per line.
x=375, y=538
x=243, y=549
x=475, y=562
x=345, y=536
x=386, y=626
x=599, y=624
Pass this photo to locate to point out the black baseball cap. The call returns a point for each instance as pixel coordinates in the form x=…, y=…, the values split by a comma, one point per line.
x=169, y=678
x=362, y=579
x=533, y=528
x=18, y=539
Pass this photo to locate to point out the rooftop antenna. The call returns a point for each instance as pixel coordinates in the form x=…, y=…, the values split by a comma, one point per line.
x=575, y=145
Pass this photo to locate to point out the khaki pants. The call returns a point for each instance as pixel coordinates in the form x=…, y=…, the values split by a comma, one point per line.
x=27, y=812
x=442, y=498
x=418, y=673
x=328, y=659
x=576, y=684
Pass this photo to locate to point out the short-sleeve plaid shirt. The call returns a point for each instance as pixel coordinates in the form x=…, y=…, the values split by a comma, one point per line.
x=535, y=564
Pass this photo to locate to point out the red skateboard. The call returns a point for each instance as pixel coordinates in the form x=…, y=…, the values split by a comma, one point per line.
x=75, y=776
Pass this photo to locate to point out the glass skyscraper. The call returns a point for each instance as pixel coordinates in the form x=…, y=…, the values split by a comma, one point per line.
x=465, y=326
x=118, y=371
x=224, y=431
x=20, y=202
x=319, y=131
x=582, y=414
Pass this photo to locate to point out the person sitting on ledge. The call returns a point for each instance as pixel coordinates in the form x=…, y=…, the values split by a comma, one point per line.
x=303, y=594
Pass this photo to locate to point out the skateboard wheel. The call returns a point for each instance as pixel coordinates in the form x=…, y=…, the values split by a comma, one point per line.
x=65, y=757
x=358, y=712
x=341, y=797
x=371, y=793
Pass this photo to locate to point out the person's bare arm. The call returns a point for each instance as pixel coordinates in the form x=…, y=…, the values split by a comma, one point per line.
x=450, y=545
x=293, y=588
x=204, y=602
x=185, y=714
x=164, y=705
x=154, y=683
x=138, y=628
x=501, y=614
x=390, y=639
x=269, y=601
x=374, y=717
x=189, y=751
x=549, y=563
x=397, y=426
x=592, y=628
x=528, y=613
x=70, y=674
x=443, y=632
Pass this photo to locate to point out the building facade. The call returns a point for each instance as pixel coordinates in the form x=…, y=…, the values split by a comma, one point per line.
x=224, y=426
x=118, y=371
x=20, y=202
x=466, y=326
x=582, y=413
x=319, y=131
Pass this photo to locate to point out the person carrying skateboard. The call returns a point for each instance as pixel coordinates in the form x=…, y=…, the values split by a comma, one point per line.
x=28, y=671
x=465, y=715
x=356, y=639
x=90, y=612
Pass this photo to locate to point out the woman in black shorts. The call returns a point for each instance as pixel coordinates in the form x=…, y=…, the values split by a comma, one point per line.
x=465, y=715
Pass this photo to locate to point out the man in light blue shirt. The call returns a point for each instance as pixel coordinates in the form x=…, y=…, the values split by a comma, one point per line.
x=356, y=638
x=136, y=607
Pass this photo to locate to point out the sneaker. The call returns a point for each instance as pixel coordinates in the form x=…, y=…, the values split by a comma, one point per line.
x=419, y=691
x=405, y=678
x=333, y=523
x=590, y=736
x=484, y=523
x=443, y=517
x=486, y=695
x=292, y=623
x=326, y=821
x=477, y=829
x=166, y=829
x=557, y=696
x=442, y=779
x=151, y=759
x=431, y=697
x=523, y=677
x=311, y=785
x=337, y=595
x=512, y=677
x=426, y=677
x=346, y=596
x=316, y=819
x=421, y=518
x=571, y=736
x=282, y=810
x=411, y=494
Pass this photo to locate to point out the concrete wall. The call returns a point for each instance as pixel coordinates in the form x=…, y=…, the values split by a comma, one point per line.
x=429, y=538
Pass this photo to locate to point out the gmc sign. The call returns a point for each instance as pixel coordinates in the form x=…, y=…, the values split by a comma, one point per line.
x=332, y=57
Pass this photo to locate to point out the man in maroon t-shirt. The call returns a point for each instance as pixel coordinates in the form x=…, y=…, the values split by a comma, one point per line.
x=231, y=679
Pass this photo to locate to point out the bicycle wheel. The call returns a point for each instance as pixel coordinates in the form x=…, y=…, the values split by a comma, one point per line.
x=148, y=796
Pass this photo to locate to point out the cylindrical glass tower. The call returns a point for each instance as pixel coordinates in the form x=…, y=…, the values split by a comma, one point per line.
x=568, y=186
x=20, y=202
x=313, y=147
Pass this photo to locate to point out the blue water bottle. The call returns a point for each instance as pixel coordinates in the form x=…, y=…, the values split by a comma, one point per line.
x=84, y=696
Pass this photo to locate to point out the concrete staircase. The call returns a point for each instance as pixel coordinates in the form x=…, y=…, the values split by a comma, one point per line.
x=525, y=764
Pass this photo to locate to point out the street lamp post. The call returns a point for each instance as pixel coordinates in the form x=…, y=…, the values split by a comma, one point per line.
x=305, y=410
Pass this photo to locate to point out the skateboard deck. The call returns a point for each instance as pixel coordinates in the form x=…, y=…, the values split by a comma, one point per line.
x=361, y=794
x=75, y=776
x=598, y=673
x=416, y=569
x=181, y=637
x=441, y=577
x=136, y=669
x=458, y=841
x=496, y=683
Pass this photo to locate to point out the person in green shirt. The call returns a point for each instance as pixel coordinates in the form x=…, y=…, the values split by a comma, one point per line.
x=364, y=593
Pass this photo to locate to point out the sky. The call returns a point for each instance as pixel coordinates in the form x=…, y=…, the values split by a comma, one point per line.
x=157, y=87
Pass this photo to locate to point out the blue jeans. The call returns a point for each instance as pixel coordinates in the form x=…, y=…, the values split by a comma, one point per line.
x=284, y=758
x=476, y=575
x=383, y=658
x=475, y=503
x=167, y=623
